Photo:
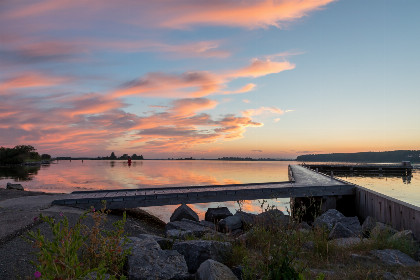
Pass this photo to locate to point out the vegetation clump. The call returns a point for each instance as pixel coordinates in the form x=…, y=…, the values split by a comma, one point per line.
x=78, y=251
x=20, y=154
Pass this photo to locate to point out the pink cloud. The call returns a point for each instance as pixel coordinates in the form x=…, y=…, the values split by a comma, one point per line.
x=30, y=79
x=259, y=68
x=168, y=14
x=199, y=83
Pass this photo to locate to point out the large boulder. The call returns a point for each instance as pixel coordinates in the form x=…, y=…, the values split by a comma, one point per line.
x=198, y=251
x=328, y=219
x=230, y=224
x=186, y=227
x=213, y=270
x=11, y=186
x=214, y=215
x=148, y=261
x=272, y=218
x=394, y=258
x=346, y=227
x=247, y=219
x=368, y=225
x=184, y=212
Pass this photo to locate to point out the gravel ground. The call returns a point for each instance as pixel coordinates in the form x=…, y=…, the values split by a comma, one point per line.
x=17, y=211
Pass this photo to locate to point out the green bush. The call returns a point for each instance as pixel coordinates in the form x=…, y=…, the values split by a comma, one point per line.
x=77, y=251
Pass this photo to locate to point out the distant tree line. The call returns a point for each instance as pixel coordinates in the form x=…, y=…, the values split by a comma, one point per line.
x=20, y=154
x=380, y=157
x=124, y=157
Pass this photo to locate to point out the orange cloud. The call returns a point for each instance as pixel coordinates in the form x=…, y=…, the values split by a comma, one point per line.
x=259, y=68
x=189, y=106
x=179, y=14
x=32, y=79
x=199, y=83
x=189, y=84
x=249, y=14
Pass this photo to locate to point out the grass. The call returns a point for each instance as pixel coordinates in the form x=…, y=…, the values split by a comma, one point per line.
x=286, y=252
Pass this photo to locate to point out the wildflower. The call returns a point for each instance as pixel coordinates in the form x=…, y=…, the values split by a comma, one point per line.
x=93, y=209
x=37, y=274
x=35, y=219
x=61, y=214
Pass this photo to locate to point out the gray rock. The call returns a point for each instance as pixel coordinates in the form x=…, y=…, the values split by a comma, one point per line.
x=346, y=227
x=188, y=227
x=381, y=229
x=208, y=224
x=11, y=186
x=346, y=242
x=164, y=243
x=394, y=257
x=178, y=234
x=328, y=219
x=273, y=218
x=198, y=251
x=148, y=261
x=340, y=231
x=184, y=212
x=214, y=215
x=247, y=219
x=213, y=270
x=230, y=224
x=368, y=225
x=405, y=234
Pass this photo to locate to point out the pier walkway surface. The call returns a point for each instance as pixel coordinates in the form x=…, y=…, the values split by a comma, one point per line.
x=303, y=183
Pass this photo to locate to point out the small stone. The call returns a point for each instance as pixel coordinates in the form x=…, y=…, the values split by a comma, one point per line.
x=184, y=212
x=213, y=270
x=11, y=186
x=214, y=215
x=394, y=257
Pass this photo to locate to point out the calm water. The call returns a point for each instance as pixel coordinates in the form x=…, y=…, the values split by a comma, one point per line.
x=66, y=176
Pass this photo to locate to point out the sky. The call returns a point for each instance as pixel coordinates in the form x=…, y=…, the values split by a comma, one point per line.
x=209, y=79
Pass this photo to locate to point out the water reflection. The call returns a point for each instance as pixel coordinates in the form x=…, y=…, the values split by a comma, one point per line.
x=405, y=179
x=19, y=173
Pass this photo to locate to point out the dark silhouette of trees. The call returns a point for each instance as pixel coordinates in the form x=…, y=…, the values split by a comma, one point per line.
x=112, y=156
x=19, y=154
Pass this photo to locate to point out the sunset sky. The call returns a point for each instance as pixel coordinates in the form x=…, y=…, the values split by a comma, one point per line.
x=210, y=78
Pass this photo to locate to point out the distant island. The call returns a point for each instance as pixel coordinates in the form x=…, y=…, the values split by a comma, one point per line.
x=379, y=157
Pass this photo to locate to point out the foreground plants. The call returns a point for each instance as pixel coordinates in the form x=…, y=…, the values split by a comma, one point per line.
x=77, y=251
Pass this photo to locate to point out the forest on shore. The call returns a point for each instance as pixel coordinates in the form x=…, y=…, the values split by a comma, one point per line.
x=380, y=157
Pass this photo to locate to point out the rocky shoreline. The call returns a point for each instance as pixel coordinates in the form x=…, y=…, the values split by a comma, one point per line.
x=187, y=248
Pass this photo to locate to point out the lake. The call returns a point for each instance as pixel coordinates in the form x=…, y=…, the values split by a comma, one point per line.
x=67, y=176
